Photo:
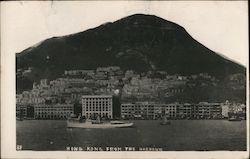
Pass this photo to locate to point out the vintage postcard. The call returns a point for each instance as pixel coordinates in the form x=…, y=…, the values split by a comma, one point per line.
x=124, y=79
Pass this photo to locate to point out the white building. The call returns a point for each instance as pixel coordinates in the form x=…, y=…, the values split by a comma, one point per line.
x=97, y=105
x=57, y=111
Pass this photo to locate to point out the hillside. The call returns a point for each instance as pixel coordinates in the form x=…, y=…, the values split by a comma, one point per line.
x=138, y=42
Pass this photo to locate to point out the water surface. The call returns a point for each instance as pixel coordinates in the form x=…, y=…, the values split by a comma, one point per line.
x=181, y=135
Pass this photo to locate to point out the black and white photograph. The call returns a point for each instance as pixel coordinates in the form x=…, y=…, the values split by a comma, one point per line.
x=124, y=79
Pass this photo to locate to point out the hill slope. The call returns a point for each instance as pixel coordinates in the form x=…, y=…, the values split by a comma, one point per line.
x=139, y=42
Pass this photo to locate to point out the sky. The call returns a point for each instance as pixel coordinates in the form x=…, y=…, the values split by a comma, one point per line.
x=220, y=26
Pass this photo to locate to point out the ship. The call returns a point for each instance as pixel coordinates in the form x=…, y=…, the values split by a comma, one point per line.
x=97, y=124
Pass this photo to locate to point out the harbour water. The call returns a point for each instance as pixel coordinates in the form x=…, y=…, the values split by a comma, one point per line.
x=180, y=135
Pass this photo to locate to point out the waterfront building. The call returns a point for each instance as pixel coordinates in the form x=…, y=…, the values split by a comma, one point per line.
x=97, y=105
x=134, y=110
x=153, y=110
x=21, y=110
x=24, y=111
x=208, y=110
x=127, y=109
x=168, y=110
x=184, y=110
x=148, y=110
x=57, y=111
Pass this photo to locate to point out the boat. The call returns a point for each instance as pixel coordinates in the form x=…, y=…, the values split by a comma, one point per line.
x=165, y=121
x=234, y=118
x=97, y=124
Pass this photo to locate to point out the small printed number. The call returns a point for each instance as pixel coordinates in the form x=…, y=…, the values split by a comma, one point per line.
x=19, y=147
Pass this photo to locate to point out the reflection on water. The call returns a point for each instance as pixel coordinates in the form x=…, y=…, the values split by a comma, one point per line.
x=180, y=135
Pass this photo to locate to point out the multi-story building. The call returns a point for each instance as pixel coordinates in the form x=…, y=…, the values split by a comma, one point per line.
x=170, y=110
x=21, y=110
x=184, y=110
x=24, y=111
x=97, y=105
x=207, y=110
x=57, y=111
x=147, y=110
x=128, y=110
x=152, y=110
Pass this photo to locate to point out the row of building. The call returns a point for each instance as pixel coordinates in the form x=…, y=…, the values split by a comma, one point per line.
x=103, y=106
x=43, y=111
x=202, y=110
x=151, y=110
x=132, y=86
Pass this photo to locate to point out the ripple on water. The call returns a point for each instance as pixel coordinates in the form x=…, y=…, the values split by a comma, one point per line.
x=180, y=135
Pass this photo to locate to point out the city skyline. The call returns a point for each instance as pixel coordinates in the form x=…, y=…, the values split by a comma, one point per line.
x=87, y=89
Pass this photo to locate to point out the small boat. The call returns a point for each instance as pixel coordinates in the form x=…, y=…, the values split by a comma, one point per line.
x=165, y=121
x=97, y=124
x=234, y=118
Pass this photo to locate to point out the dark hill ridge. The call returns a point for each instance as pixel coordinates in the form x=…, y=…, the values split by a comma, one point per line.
x=139, y=42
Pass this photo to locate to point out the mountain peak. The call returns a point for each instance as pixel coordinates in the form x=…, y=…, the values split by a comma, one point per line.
x=147, y=20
